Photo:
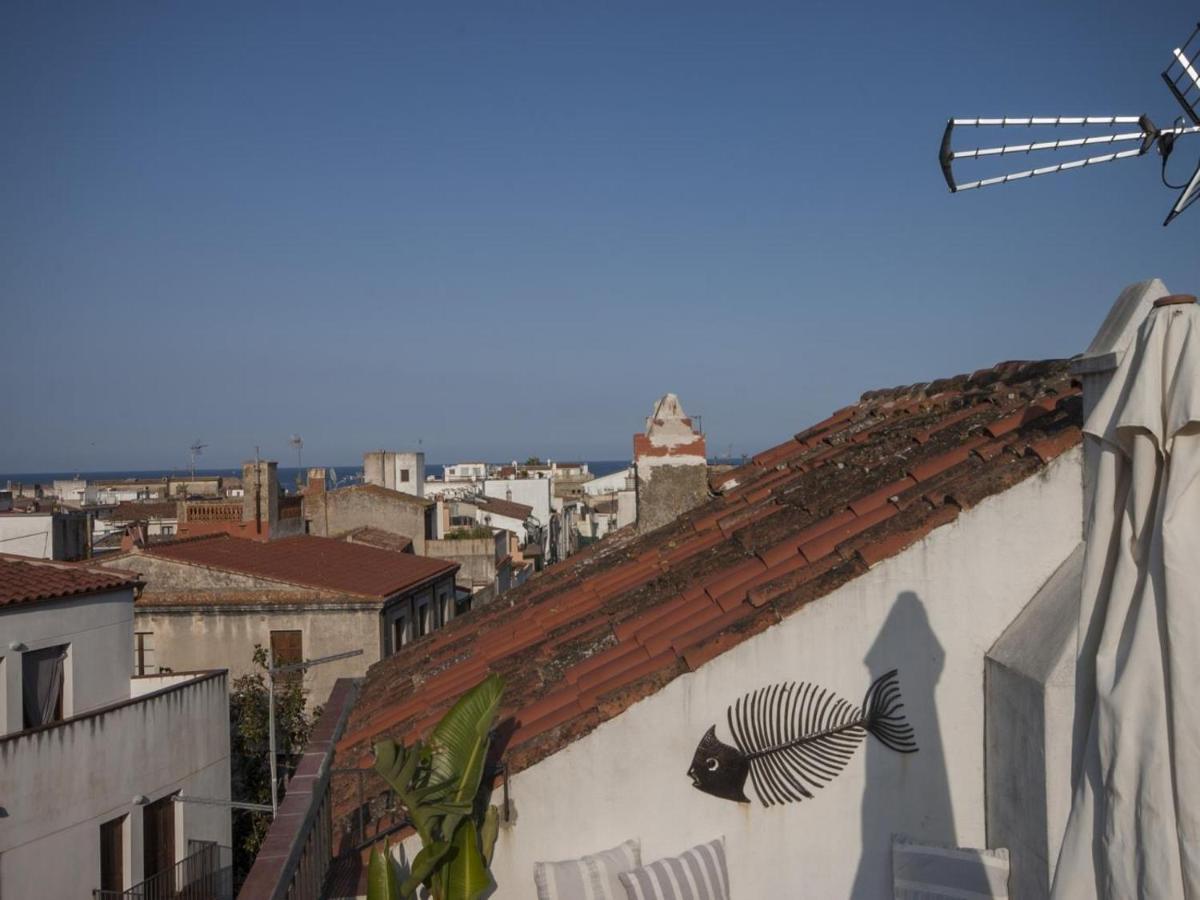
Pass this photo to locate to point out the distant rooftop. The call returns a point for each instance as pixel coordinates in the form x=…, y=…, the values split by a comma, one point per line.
x=29, y=581
x=310, y=561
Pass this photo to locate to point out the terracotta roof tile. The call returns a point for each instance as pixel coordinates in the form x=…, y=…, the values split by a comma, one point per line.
x=608, y=626
x=24, y=580
x=311, y=561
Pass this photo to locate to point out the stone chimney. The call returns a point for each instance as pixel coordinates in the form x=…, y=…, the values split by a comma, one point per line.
x=260, y=502
x=670, y=465
x=316, y=481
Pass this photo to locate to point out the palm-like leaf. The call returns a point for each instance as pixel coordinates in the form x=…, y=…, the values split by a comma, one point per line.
x=466, y=875
x=460, y=743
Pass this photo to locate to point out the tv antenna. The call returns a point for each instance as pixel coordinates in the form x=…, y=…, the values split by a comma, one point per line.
x=195, y=450
x=1182, y=77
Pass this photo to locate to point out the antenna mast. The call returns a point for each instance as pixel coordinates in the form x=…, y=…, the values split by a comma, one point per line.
x=1182, y=77
x=195, y=450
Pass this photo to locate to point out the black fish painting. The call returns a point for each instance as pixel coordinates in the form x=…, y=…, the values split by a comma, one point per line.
x=793, y=738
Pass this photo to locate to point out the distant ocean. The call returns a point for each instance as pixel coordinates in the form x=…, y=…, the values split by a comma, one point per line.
x=287, y=474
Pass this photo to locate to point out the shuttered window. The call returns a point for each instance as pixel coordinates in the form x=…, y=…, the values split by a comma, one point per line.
x=112, y=855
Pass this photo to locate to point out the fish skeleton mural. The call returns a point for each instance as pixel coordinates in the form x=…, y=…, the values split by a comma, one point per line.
x=793, y=738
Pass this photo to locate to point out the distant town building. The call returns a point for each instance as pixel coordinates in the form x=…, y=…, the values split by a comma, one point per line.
x=61, y=534
x=335, y=513
x=397, y=471
x=465, y=471
x=261, y=513
x=208, y=602
x=95, y=762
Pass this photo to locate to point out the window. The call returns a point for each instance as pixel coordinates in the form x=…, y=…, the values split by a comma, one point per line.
x=404, y=474
x=443, y=608
x=42, y=685
x=168, y=529
x=399, y=633
x=422, y=619
x=287, y=647
x=142, y=653
x=112, y=855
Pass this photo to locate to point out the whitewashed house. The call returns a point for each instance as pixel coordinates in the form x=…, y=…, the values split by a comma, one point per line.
x=94, y=762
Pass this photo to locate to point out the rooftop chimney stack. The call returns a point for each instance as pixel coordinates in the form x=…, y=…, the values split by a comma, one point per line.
x=670, y=465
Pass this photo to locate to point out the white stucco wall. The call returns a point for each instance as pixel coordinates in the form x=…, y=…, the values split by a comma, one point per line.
x=59, y=784
x=27, y=534
x=933, y=612
x=99, y=633
x=223, y=636
x=607, y=484
x=504, y=523
x=534, y=492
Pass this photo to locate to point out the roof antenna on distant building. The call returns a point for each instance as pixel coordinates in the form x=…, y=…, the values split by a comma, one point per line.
x=297, y=443
x=195, y=450
x=1183, y=79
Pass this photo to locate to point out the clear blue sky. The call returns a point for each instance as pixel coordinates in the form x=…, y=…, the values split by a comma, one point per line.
x=506, y=229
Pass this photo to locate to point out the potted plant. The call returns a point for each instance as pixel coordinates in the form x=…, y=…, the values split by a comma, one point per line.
x=438, y=783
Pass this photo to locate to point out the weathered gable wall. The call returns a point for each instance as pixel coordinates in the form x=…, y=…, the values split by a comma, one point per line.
x=336, y=512
x=933, y=612
x=224, y=637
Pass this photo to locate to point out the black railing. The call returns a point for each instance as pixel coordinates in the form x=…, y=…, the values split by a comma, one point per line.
x=207, y=874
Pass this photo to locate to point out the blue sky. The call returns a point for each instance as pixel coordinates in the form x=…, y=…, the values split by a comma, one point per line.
x=503, y=229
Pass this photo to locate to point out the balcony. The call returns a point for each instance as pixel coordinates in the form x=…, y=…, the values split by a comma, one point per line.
x=207, y=874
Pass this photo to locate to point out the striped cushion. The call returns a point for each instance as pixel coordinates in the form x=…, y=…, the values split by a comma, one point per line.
x=943, y=872
x=697, y=874
x=588, y=878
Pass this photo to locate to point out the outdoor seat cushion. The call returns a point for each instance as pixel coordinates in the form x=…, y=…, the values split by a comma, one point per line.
x=941, y=872
x=593, y=877
x=696, y=874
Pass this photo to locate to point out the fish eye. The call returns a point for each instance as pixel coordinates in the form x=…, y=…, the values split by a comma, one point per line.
x=711, y=764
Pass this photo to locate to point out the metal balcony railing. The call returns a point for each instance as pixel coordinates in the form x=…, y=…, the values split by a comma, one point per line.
x=207, y=874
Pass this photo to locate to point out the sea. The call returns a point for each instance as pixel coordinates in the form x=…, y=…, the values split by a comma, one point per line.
x=288, y=475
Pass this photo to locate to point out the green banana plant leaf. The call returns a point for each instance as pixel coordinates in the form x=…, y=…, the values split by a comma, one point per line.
x=460, y=744
x=424, y=864
x=465, y=875
x=382, y=881
x=489, y=830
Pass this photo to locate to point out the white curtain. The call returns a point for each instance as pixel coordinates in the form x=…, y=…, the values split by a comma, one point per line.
x=1134, y=827
x=41, y=679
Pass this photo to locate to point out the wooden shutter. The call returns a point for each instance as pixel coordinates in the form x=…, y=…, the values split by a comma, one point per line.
x=158, y=846
x=287, y=647
x=112, y=855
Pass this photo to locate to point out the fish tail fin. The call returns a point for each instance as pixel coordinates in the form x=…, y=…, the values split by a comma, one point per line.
x=882, y=717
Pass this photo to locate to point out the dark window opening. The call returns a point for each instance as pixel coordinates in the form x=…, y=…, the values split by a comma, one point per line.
x=404, y=474
x=42, y=685
x=143, y=653
x=112, y=855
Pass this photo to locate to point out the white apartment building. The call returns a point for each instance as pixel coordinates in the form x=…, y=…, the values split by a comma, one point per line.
x=94, y=763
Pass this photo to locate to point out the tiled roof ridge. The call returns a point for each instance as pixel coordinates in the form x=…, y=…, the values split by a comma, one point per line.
x=616, y=622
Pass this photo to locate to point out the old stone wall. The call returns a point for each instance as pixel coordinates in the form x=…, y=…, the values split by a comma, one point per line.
x=666, y=492
x=334, y=513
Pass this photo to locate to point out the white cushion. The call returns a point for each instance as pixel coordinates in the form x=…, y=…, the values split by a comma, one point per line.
x=696, y=874
x=593, y=877
x=941, y=872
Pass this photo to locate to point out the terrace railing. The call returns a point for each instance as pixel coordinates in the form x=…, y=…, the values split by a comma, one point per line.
x=207, y=874
x=298, y=848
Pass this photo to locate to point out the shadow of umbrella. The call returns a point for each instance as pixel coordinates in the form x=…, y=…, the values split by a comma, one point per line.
x=904, y=793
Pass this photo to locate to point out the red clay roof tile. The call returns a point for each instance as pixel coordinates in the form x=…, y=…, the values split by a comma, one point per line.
x=610, y=625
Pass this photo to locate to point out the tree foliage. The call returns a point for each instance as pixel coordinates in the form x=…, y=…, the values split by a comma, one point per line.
x=250, y=749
